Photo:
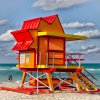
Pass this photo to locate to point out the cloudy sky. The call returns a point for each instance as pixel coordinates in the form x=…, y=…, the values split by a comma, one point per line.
x=80, y=17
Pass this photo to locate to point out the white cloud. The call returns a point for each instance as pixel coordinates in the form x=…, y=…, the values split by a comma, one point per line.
x=78, y=25
x=5, y=37
x=92, y=34
x=11, y=54
x=3, y=22
x=95, y=50
x=57, y=4
x=88, y=47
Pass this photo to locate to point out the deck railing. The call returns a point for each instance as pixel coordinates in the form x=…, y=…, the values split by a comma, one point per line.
x=77, y=61
x=46, y=59
x=90, y=74
x=72, y=59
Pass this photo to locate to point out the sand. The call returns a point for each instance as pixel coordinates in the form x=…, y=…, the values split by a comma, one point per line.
x=8, y=95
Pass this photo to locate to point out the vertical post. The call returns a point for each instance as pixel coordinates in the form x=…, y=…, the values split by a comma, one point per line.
x=37, y=81
x=23, y=78
x=36, y=58
x=53, y=60
x=40, y=59
x=66, y=60
x=47, y=60
x=75, y=78
x=71, y=58
x=79, y=61
x=50, y=83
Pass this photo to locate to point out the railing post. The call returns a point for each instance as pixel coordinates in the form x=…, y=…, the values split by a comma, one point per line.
x=37, y=81
x=47, y=60
x=71, y=58
x=53, y=59
x=66, y=60
x=36, y=58
x=40, y=59
x=79, y=61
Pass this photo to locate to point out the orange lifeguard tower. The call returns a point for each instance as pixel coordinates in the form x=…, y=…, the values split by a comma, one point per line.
x=42, y=50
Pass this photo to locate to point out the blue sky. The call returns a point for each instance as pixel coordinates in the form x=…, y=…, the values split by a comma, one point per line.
x=80, y=17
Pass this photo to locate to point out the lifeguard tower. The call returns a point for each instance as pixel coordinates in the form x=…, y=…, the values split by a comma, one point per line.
x=42, y=51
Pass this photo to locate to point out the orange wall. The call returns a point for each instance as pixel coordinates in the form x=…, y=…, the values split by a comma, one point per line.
x=35, y=38
x=54, y=27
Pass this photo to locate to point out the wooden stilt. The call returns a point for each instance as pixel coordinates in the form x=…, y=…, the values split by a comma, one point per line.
x=23, y=78
x=48, y=75
x=76, y=81
x=75, y=78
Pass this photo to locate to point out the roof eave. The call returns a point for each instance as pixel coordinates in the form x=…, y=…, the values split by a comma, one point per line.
x=68, y=37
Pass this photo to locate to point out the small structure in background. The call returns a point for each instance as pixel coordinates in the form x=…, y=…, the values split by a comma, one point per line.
x=42, y=50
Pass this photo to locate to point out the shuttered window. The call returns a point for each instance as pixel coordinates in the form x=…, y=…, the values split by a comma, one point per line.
x=56, y=44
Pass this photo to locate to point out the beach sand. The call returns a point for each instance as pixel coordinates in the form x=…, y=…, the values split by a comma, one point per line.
x=61, y=95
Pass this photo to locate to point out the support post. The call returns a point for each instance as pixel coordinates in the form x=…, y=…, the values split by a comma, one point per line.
x=75, y=78
x=23, y=78
x=50, y=83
